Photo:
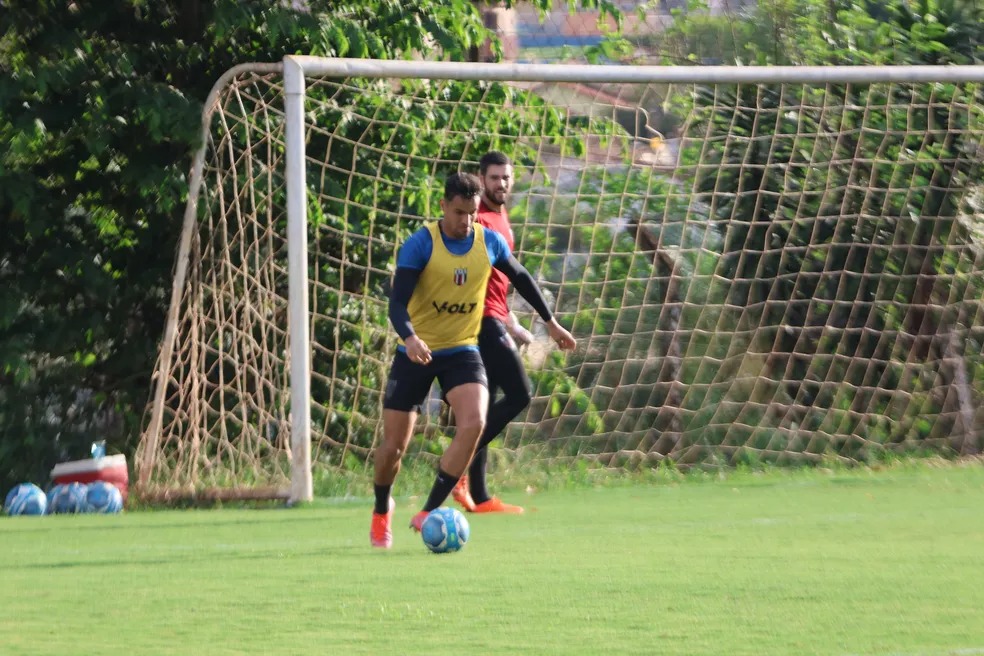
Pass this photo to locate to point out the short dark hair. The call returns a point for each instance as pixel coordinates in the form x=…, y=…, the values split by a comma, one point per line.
x=492, y=158
x=463, y=185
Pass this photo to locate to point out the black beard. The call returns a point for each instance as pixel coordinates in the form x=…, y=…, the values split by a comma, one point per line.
x=491, y=198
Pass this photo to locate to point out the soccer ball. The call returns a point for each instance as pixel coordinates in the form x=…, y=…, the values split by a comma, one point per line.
x=103, y=497
x=445, y=530
x=25, y=499
x=67, y=498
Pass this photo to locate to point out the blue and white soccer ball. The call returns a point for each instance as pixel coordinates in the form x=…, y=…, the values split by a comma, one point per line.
x=445, y=530
x=25, y=499
x=66, y=498
x=103, y=497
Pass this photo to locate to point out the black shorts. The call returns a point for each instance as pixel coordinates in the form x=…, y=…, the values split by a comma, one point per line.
x=410, y=382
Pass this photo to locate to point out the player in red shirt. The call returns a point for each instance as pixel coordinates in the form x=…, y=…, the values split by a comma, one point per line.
x=497, y=342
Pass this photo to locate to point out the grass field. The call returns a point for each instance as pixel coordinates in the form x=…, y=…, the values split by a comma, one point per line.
x=818, y=562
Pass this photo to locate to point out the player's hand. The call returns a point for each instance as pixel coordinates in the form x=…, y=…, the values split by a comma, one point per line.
x=417, y=350
x=560, y=335
x=520, y=335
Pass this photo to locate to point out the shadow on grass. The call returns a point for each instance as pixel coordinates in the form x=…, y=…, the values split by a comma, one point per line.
x=52, y=524
x=183, y=559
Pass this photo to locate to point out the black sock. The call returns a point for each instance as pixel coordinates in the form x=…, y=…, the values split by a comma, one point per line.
x=443, y=485
x=476, y=476
x=382, y=499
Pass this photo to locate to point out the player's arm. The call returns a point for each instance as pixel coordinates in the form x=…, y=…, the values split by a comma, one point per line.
x=410, y=262
x=404, y=282
x=528, y=289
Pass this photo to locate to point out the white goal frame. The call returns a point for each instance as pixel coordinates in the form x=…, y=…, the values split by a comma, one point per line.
x=295, y=71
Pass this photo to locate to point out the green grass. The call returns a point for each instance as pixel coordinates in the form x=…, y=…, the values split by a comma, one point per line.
x=820, y=562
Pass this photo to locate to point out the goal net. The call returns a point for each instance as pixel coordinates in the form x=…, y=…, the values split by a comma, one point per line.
x=760, y=266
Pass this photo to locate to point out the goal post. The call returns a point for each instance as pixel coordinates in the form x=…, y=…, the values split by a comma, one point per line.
x=301, y=488
x=761, y=264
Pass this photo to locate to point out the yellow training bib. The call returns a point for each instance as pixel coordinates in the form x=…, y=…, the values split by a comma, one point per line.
x=446, y=305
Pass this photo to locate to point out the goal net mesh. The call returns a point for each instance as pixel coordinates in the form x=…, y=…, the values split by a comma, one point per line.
x=755, y=273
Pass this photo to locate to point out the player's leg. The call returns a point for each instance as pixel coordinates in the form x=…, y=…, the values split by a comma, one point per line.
x=505, y=370
x=468, y=402
x=462, y=377
x=462, y=490
x=397, y=430
x=406, y=388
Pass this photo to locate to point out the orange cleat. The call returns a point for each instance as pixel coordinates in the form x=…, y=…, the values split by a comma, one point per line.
x=495, y=505
x=418, y=520
x=380, y=534
x=461, y=494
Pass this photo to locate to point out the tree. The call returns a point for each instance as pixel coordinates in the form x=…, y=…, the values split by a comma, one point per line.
x=100, y=106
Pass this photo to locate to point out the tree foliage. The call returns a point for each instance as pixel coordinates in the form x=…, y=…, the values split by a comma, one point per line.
x=841, y=176
x=100, y=107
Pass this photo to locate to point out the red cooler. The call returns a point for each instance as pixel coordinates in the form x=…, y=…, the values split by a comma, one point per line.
x=111, y=469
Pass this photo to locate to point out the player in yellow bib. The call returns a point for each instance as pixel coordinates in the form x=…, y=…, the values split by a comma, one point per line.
x=436, y=307
x=448, y=317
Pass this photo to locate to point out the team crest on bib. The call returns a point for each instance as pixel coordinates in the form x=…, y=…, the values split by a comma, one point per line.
x=460, y=276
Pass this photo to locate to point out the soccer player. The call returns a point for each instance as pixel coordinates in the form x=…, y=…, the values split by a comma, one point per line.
x=436, y=305
x=498, y=339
